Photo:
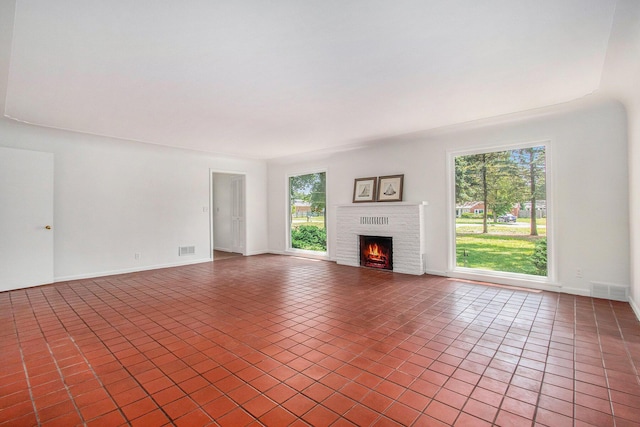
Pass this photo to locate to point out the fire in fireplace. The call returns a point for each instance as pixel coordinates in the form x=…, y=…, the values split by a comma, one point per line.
x=376, y=252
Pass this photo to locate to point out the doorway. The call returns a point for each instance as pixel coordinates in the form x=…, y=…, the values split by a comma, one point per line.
x=26, y=218
x=228, y=227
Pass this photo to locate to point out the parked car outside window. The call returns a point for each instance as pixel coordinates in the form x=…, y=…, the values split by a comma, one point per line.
x=507, y=218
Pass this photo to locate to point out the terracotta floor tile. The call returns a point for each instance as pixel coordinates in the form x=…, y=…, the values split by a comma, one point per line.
x=139, y=408
x=219, y=407
x=508, y=419
x=451, y=398
x=361, y=415
x=285, y=341
x=63, y=408
x=487, y=396
x=299, y=404
x=320, y=416
x=111, y=419
x=552, y=419
x=158, y=384
x=558, y=406
x=97, y=409
x=390, y=389
x=557, y=392
x=243, y=394
x=338, y=403
x=68, y=419
x=626, y=412
x=518, y=407
x=154, y=418
x=480, y=410
x=179, y=407
x=466, y=420
x=334, y=381
x=278, y=416
x=376, y=401
x=401, y=413
x=442, y=412
x=317, y=392
x=163, y=397
x=280, y=393
x=593, y=416
x=192, y=384
x=354, y=390
x=193, y=418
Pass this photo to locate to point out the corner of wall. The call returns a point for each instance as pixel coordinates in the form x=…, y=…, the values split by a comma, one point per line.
x=635, y=308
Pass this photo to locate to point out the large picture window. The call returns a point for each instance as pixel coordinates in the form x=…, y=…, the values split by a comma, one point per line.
x=307, y=212
x=501, y=211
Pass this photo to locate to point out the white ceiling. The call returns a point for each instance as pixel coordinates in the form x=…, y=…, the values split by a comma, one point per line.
x=266, y=79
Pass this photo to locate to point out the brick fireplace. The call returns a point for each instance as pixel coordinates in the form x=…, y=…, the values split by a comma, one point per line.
x=403, y=222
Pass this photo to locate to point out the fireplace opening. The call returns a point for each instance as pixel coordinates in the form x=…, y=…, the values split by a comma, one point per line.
x=376, y=252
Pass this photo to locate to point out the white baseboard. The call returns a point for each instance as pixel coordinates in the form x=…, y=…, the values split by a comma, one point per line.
x=274, y=252
x=301, y=254
x=576, y=291
x=307, y=254
x=634, y=307
x=260, y=252
x=436, y=273
x=530, y=282
x=129, y=270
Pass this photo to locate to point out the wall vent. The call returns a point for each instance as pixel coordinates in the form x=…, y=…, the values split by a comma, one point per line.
x=609, y=291
x=374, y=220
x=186, y=250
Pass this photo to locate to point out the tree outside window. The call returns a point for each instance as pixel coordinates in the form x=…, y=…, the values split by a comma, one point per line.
x=307, y=212
x=509, y=234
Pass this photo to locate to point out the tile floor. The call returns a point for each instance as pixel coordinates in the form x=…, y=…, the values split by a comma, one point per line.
x=282, y=341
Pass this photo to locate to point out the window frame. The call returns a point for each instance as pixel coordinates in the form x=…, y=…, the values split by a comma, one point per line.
x=304, y=252
x=515, y=279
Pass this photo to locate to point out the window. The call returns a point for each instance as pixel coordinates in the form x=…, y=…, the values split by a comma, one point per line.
x=307, y=209
x=509, y=234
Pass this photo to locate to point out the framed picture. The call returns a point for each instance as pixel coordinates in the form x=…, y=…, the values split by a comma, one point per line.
x=364, y=190
x=390, y=188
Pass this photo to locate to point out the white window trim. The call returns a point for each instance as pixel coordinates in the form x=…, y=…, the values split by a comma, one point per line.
x=548, y=282
x=303, y=252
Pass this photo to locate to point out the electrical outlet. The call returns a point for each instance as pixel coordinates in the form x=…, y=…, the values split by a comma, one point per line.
x=136, y=256
x=579, y=273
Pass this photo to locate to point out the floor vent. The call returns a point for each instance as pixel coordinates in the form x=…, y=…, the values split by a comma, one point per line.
x=608, y=291
x=186, y=250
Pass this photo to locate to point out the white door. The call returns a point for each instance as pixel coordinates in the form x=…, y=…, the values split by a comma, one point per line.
x=26, y=218
x=237, y=214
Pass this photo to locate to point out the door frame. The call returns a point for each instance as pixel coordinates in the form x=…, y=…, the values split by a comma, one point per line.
x=212, y=208
x=29, y=246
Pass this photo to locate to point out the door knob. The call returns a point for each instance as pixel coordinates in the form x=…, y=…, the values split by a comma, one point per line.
x=48, y=227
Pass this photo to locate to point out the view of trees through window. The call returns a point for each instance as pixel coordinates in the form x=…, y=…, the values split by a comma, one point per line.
x=501, y=211
x=307, y=203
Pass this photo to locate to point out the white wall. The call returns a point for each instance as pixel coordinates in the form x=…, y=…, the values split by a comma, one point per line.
x=589, y=155
x=115, y=198
x=620, y=80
